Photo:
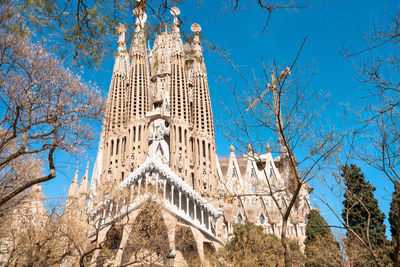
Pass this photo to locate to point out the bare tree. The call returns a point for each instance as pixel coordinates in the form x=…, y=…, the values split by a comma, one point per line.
x=81, y=31
x=285, y=109
x=378, y=133
x=45, y=108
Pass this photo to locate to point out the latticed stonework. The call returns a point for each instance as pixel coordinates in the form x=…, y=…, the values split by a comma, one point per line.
x=158, y=144
x=159, y=102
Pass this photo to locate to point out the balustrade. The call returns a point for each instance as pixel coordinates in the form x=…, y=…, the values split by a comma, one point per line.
x=170, y=183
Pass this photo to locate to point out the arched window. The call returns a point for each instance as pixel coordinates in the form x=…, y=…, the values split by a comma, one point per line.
x=273, y=189
x=234, y=174
x=239, y=218
x=253, y=189
x=271, y=171
x=262, y=219
x=252, y=174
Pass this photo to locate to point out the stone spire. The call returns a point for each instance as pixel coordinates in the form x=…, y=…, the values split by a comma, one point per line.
x=73, y=192
x=203, y=123
x=73, y=189
x=179, y=95
x=138, y=93
x=114, y=133
x=35, y=201
x=139, y=35
x=196, y=28
x=116, y=108
x=84, y=187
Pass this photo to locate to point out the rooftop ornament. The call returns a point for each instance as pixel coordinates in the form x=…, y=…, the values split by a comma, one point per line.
x=121, y=38
x=196, y=28
x=232, y=148
x=175, y=12
x=141, y=17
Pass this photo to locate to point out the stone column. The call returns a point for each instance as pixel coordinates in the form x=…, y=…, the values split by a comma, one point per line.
x=140, y=185
x=216, y=226
x=132, y=191
x=165, y=188
x=157, y=177
x=199, y=238
x=172, y=193
x=202, y=215
x=187, y=205
x=147, y=181
x=180, y=199
x=209, y=220
x=194, y=210
x=104, y=214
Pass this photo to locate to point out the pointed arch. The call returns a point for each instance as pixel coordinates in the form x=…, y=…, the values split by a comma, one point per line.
x=187, y=246
x=210, y=252
x=111, y=245
x=148, y=240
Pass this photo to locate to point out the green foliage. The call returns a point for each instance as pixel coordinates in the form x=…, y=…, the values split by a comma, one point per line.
x=359, y=204
x=394, y=209
x=393, y=221
x=250, y=246
x=321, y=246
x=80, y=31
x=77, y=30
x=362, y=214
x=317, y=226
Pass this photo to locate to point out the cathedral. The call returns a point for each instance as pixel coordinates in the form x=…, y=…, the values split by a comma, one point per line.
x=157, y=145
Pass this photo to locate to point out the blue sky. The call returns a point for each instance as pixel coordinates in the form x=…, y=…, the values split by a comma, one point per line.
x=331, y=26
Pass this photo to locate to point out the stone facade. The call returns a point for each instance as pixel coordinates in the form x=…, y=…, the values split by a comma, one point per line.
x=158, y=143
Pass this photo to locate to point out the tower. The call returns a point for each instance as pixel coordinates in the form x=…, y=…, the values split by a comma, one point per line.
x=203, y=138
x=158, y=105
x=112, y=147
x=137, y=100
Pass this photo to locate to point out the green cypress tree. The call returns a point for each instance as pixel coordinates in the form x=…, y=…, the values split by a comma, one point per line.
x=359, y=200
x=359, y=203
x=393, y=220
x=321, y=247
x=394, y=209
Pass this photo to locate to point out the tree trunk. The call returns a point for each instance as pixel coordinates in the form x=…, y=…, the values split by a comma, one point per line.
x=286, y=246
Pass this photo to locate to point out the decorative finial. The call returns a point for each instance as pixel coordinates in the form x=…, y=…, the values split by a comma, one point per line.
x=120, y=28
x=196, y=28
x=141, y=16
x=36, y=188
x=282, y=147
x=87, y=170
x=268, y=148
x=76, y=175
x=232, y=148
x=250, y=148
x=175, y=12
x=121, y=38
